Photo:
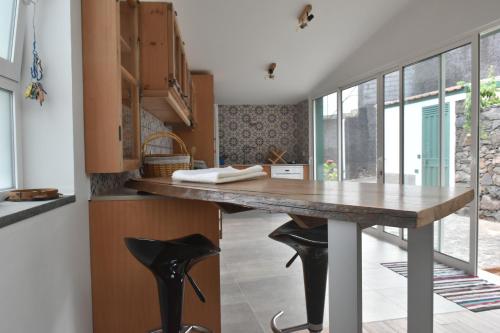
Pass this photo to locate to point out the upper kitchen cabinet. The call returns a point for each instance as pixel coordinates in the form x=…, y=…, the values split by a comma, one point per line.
x=111, y=85
x=166, y=81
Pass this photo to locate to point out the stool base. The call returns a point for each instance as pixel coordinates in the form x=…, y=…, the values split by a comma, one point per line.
x=311, y=327
x=188, y=329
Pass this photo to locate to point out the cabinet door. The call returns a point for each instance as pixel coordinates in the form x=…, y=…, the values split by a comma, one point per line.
x=156, y=45
x=101, y=85
x=202, y=136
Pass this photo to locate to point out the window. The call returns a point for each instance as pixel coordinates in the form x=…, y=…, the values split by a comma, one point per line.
x=11, y=32
x=6, y=141
x=11, y=42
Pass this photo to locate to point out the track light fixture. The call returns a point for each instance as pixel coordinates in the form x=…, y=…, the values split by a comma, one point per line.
x=270, y=71
x=305, y=16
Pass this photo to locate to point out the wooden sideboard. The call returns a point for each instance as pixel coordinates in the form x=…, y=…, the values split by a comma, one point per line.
x=267, y=168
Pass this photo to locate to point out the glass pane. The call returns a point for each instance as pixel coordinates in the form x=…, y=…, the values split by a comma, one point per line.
x=129, y=120
x=489, y=153
x=391, y=128
x=359, y=123
x=421, y=123
x=6, y=142
x=326, y=137
x=392, y=230
x=456, y=147
x=391, y=134
x=7, y=24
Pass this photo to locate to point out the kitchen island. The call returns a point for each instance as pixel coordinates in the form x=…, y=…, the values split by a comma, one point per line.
x=347, y=208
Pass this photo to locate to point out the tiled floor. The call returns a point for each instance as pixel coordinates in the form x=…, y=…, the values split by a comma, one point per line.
x=256, y=285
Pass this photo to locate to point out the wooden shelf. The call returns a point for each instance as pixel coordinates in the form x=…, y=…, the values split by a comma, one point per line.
x=128, y=77
x=125, y=47
x=167, y=106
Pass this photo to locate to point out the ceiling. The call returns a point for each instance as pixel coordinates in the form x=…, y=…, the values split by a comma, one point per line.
x=236, y=40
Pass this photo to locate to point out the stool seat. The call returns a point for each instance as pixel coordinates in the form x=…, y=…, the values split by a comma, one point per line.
x=170, y=262
x=154, y=253
x=291, y=231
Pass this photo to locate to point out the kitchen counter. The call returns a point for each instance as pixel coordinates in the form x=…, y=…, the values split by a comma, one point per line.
x=347, y=208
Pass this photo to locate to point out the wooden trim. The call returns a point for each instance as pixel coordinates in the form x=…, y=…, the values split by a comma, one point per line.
x=132, y=3
x=129, y=165
x=124, y=46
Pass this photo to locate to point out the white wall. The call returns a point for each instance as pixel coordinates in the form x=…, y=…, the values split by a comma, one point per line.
x=421, y=27
x=45, y=264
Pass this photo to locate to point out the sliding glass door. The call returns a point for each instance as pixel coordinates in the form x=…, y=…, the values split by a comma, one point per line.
x=439, y=126
x=326, y=137
x=392, y=133
x=489, y=153
x=359, y=133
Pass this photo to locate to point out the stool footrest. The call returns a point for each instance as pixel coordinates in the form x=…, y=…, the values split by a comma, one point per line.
x=188, y=329
x=275, y=329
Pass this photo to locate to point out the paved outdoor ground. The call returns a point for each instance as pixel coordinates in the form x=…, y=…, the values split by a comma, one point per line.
x=456, y=239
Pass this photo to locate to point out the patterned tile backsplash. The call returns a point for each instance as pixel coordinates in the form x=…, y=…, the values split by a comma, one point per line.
x=104, y=182
x=248, y=132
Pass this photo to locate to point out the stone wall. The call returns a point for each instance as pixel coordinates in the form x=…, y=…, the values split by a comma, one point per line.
x=489, y=159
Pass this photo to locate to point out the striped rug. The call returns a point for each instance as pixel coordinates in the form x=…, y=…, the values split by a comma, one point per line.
x=468, y=291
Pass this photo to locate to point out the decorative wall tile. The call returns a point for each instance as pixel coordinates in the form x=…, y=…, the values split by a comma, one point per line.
x=104, y=182
x=248, y=132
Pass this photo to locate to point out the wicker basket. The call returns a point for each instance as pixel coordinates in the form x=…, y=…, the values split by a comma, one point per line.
x=164, y=165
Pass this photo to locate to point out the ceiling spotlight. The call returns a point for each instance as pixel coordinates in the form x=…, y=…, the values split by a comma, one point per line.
x=270, y=71
x=305, y=16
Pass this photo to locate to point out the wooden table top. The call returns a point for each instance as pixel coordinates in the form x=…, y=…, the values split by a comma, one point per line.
x=367, y=204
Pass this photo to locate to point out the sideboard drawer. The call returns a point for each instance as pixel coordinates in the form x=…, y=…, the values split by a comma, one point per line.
x=287, y=171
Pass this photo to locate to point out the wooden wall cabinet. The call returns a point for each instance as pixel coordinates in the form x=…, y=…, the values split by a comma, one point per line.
x=165, y=78
x=111, y=85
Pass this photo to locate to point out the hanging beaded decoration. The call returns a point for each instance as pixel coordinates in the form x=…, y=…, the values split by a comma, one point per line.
x=35, y=89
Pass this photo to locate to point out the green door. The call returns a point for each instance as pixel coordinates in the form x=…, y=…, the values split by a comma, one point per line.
x=430, y=145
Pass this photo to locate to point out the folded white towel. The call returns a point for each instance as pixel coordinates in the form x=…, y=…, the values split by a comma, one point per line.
x=218, y=175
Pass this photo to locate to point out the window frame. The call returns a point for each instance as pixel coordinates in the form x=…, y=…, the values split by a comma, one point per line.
x=13, y=87
x=12, y=69
x=10, y=80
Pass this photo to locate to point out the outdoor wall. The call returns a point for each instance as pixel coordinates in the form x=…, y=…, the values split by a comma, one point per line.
x=489, y=160
x=45, y=260
x=248, y=132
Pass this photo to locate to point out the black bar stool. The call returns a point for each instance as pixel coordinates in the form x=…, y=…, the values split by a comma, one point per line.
x=170, y=261
x=312, y=247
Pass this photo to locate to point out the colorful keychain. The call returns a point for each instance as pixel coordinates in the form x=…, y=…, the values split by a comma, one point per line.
x=35, y=89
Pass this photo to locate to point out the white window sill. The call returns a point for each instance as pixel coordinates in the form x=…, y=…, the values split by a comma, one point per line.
x=13, y=212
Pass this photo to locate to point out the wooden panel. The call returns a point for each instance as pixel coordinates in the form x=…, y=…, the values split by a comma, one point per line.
x=201, y=136
x=155, y=27
x=382, y=204
x=306, y=172
x=124, y=294
x=101, y=85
